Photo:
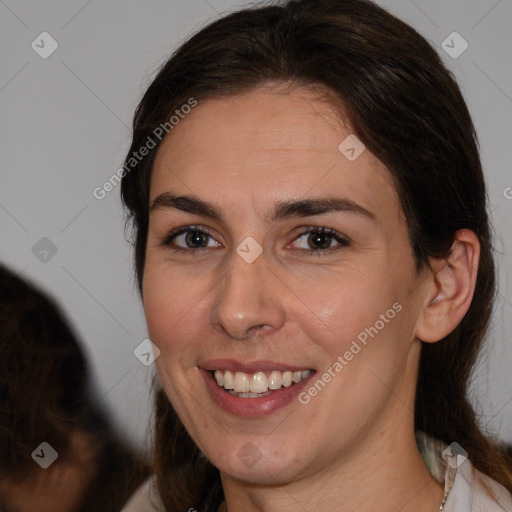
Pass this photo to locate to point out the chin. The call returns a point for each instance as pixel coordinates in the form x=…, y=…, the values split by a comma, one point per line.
x=254, y=466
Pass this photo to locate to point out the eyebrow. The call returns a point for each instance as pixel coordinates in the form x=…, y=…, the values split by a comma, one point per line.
x=282, y=210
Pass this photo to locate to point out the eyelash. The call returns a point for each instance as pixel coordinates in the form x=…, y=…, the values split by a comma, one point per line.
x=343, y=241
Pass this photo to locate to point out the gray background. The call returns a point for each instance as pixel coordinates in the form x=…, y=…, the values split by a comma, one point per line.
x=66, y=128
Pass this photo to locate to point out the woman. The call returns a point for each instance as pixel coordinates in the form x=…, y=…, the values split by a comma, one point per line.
x=314, y=256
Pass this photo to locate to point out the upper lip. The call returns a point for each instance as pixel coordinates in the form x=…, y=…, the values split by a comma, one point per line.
x=245, y=367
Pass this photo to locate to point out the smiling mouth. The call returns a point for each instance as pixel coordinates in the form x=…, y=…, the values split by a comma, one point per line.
x=259, y=384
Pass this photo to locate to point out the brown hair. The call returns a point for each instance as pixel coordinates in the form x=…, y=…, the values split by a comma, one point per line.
x=43, y=375
x=407, y=108
x=45, y=391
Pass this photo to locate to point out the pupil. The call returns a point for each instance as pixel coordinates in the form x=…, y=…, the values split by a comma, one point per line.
x=196, y=237
x=315, y=237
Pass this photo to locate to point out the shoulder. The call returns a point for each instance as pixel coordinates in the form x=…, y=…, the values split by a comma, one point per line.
x=145, y=498
x=482, y=492
x=467, y=489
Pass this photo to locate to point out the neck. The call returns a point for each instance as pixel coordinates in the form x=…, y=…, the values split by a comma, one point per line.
x=387, y=478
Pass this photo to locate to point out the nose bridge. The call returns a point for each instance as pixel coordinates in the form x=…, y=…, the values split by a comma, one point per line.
x=245, y=299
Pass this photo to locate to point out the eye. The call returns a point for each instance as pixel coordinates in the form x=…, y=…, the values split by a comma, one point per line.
x=321, y=238
x=194, y=238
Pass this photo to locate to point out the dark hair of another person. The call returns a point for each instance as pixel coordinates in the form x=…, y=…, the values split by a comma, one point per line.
x=406, y=107
x=45, y=391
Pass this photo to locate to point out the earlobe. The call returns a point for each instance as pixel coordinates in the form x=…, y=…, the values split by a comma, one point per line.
x=452, y=287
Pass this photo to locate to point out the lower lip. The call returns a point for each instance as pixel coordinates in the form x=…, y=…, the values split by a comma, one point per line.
x=251, y=407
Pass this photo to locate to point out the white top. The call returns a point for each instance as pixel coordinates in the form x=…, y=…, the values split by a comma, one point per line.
x=468, y=489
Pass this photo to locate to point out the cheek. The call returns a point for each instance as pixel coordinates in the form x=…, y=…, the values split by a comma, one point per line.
x=171, y=304
x=341, y=304
x=360, y=319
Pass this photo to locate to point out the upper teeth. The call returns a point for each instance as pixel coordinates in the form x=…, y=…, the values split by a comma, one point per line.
x=258, y=382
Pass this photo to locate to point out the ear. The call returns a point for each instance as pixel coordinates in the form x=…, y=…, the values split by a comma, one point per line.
x=450, y=288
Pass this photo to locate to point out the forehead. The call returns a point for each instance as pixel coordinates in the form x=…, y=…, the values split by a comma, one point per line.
x=280, y=144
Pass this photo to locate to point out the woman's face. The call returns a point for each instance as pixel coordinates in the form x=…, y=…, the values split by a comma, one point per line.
x=257, y=297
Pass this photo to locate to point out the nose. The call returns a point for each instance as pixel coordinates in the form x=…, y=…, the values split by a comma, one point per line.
x=249, y=299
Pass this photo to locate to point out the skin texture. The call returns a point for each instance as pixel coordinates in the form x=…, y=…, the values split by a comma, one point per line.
x=352, y=446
